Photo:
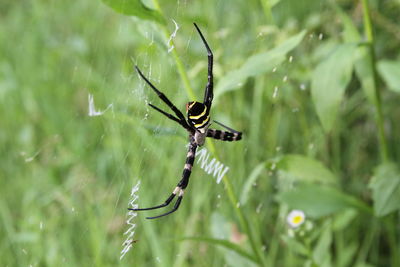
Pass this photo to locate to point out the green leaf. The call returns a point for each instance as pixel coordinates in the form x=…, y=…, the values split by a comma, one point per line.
x=221, y=230
x=256, y=65
x=317, y=200
x=294, y=11
x=329, y=81
x=135, y=8
x=350, y=31
x=390, y=72
x=250, y=181
x=385, y=186
x=306, y=169
x=295, y=245
x=344, y=219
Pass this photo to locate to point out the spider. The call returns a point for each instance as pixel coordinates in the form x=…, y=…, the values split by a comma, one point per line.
x=197, y=124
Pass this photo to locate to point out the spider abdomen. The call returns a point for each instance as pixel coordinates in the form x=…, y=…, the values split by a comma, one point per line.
x=198, y=115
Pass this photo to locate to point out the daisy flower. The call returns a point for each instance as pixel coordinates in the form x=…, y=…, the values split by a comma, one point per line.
x=295, y=218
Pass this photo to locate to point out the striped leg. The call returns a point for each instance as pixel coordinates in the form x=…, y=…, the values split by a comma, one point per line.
x=179, y=189
x=224, y=135
x=232, y=135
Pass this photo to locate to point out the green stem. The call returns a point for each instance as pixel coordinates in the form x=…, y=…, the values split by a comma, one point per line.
x=179, y=64
x=235, y=204
x=367, y=242
x=391, y=235
x=243, y=222
x=266, y=4
x=378, y=104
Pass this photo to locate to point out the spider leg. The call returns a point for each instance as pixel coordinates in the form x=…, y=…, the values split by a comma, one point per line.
x=226, y=127
x=177, y=112
x=166, y=203
x=230, y=135
x=208, y=95
x=172, y=117
x=183, y=183
x=224, y=135
x=176, y=206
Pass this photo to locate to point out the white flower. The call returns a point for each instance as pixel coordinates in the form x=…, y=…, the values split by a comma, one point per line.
x=296, y=218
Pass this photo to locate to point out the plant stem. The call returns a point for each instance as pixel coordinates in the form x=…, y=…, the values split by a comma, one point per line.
x=235, y=204
x=266, y=4
x=378, y=105
x=179, y=64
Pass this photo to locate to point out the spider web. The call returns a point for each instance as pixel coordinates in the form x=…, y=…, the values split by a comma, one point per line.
x=115, y=153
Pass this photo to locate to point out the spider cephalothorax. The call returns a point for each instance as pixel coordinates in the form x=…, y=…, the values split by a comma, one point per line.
x=197, y=124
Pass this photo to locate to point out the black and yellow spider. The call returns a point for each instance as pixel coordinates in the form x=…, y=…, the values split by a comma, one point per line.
x=196, y=124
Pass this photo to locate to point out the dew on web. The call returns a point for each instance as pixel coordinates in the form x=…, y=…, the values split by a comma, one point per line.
x=258, y=209
x=41, y=225
x=273, y=166
x=188, y=43
x=151, y=39
x=294, y=110
x=290, y=59
x=285, y=78
x=31, y=158
x=146, y=115
x=320, y=36
x=274, y=69
x=302, y=87
x=275, y=93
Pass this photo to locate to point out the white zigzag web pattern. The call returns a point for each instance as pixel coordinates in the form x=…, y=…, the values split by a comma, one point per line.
x=129, y=241
x=214, y=167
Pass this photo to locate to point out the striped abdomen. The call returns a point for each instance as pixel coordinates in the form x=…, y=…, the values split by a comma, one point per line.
x=198, y=114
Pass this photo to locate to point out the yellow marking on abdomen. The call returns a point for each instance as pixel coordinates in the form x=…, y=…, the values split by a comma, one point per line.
x=202, y=123
x=194, y=102
x=198, y=116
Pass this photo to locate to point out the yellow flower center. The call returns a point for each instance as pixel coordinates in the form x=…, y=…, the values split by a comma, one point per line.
x=297, y=219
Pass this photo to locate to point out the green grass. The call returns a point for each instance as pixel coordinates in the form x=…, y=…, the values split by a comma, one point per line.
x=327, y=144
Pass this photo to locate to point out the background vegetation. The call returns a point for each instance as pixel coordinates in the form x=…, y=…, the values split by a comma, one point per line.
x=314, y=85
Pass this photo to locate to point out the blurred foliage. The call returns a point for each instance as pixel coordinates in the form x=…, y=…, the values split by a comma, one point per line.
x=314, y=85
